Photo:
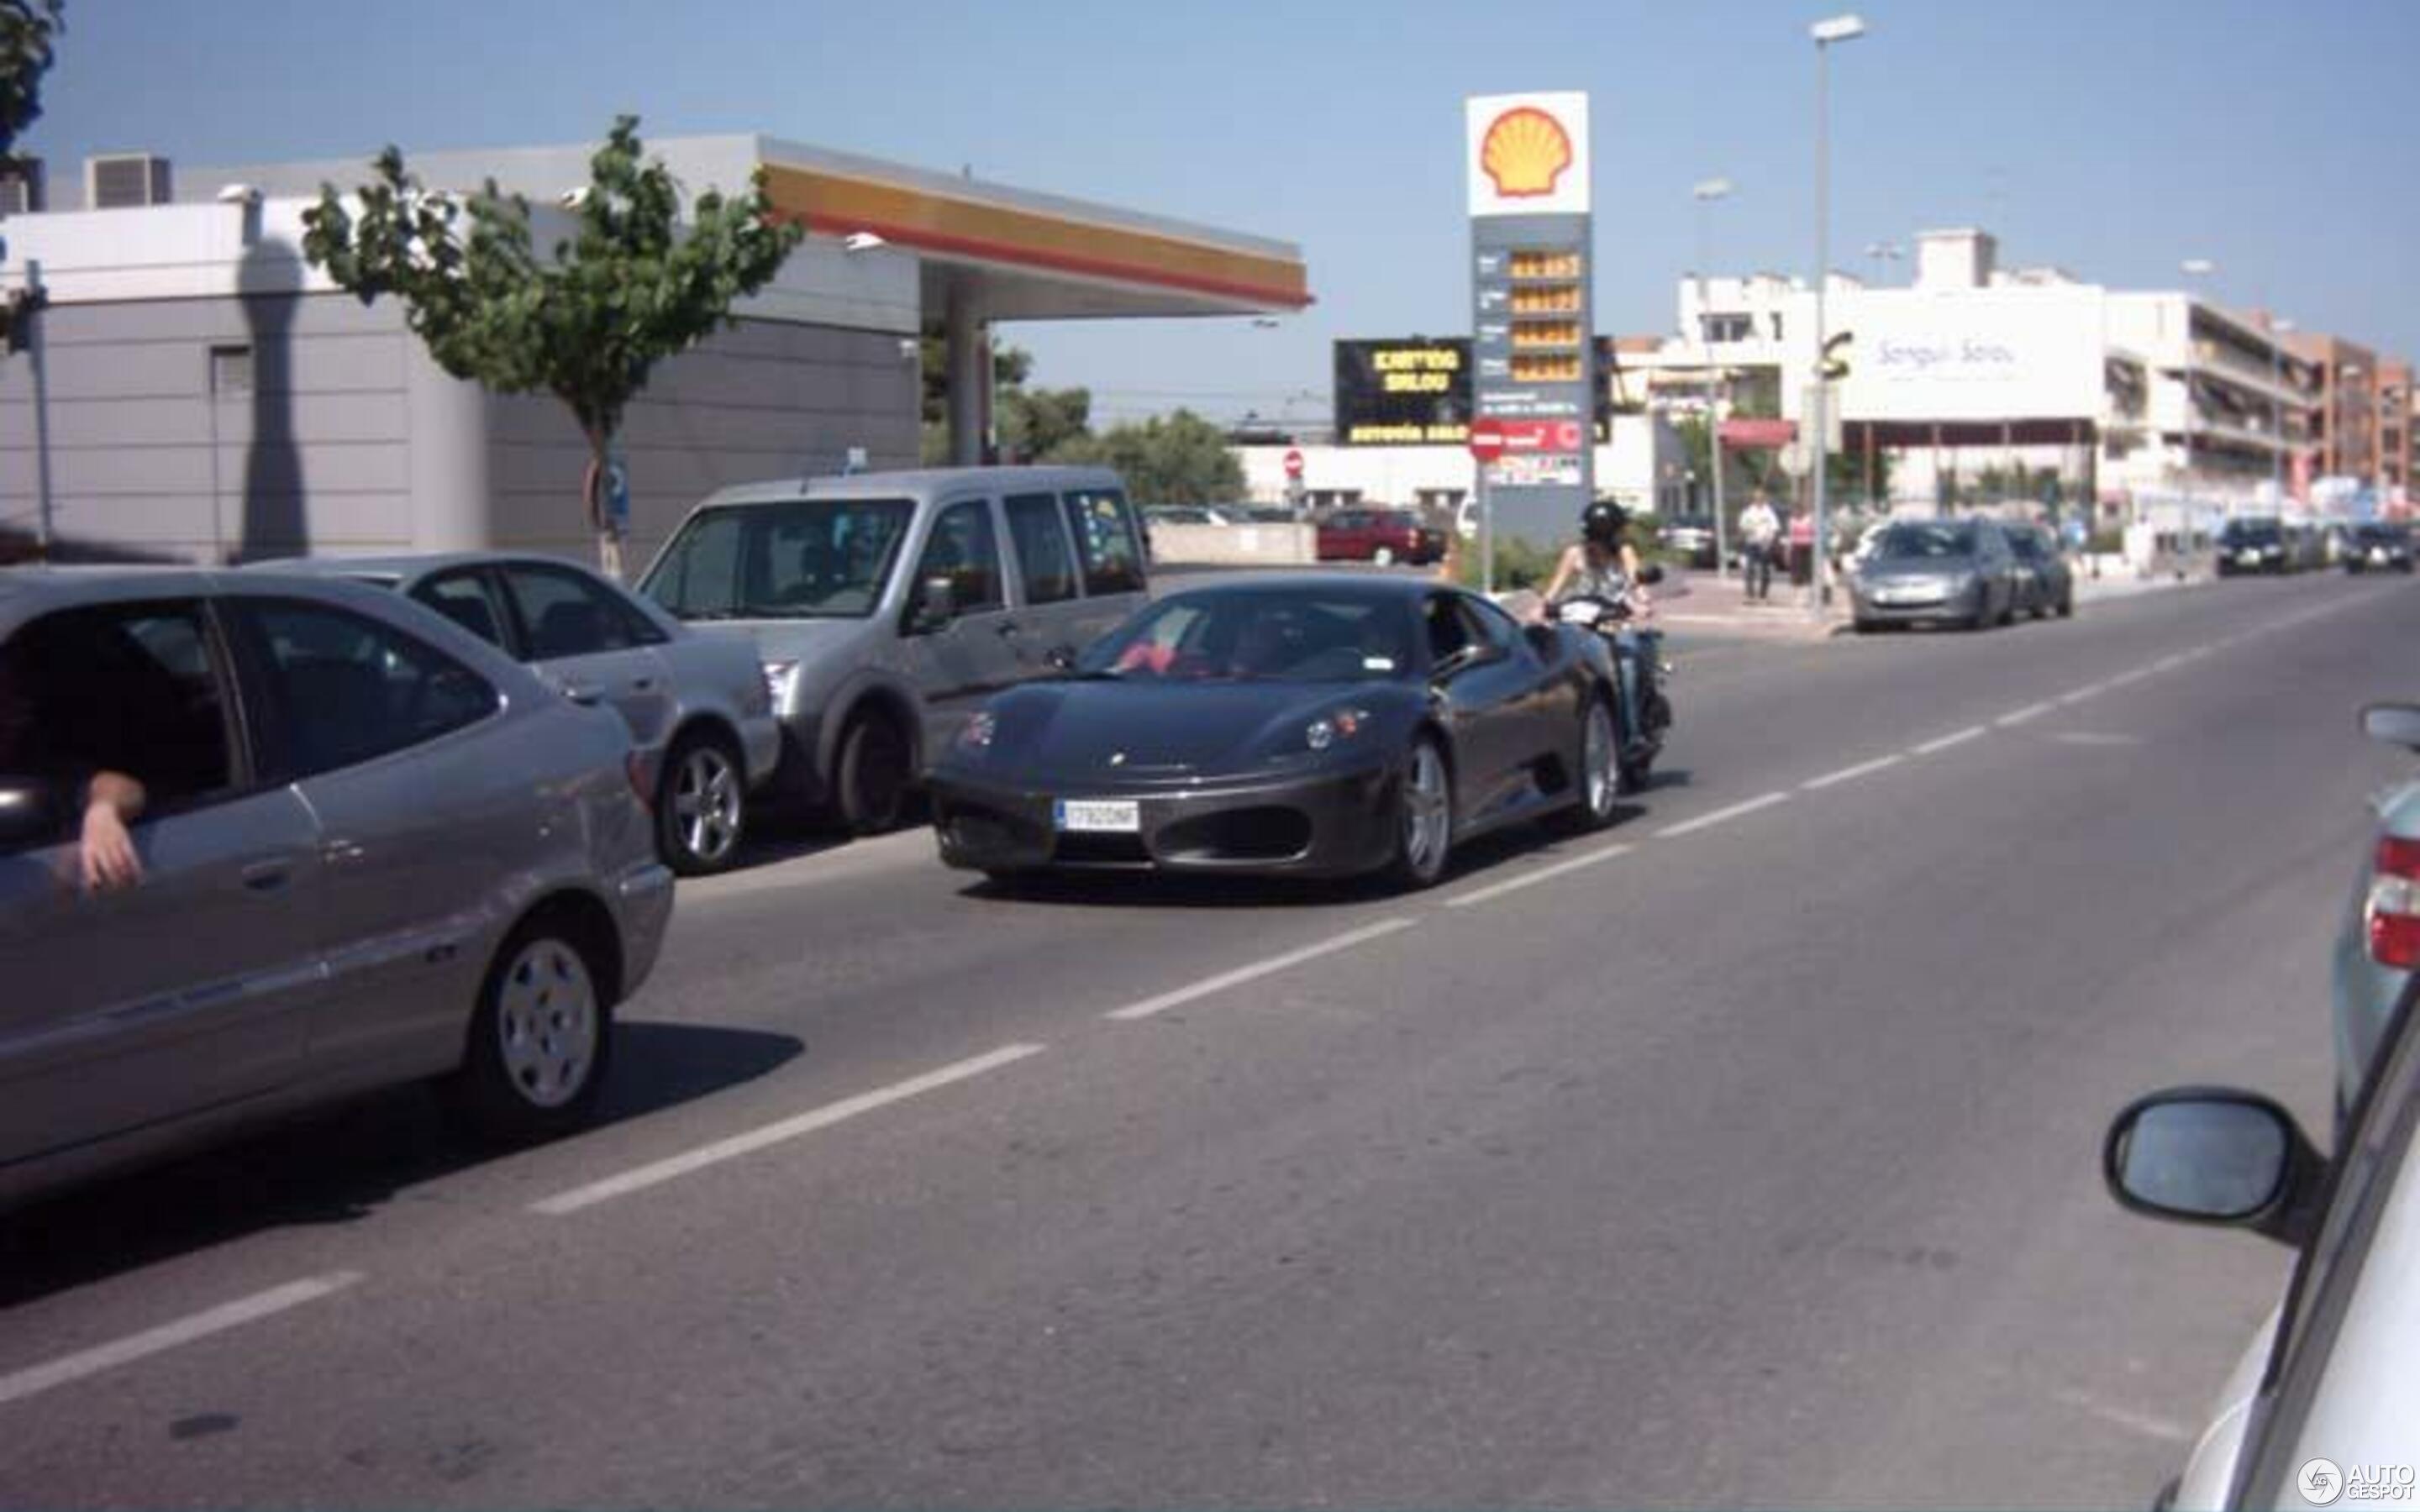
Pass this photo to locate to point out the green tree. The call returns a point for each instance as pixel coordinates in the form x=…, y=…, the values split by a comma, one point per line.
x=586, y=324
x=1037, y=423
x=1009, y=367
x=1174, y=460
x=27, y=29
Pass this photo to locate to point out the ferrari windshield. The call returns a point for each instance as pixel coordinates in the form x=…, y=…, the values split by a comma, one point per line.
x=1261, y=634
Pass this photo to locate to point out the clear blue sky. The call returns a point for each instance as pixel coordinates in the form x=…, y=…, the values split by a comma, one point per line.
x=2112, y=138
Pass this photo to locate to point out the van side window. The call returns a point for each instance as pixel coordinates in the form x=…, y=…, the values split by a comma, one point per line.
x=1105, y=538
x=963, y=549
x=1044, y=561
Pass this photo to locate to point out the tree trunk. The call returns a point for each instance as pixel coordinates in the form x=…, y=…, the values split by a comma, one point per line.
x=594, y=491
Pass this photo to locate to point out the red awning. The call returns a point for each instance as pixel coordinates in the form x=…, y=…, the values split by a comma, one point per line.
x=1743, y=433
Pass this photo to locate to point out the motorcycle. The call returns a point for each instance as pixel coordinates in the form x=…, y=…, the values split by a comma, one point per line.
x=1639, y=653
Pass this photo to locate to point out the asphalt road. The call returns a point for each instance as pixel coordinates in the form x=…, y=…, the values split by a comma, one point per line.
x=1745, y=1155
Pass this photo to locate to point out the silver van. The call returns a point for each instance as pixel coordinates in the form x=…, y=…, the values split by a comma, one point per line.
x=888, y=606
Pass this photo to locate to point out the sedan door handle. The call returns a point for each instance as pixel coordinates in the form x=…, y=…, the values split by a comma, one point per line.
x=266, y=877
x=643, y=685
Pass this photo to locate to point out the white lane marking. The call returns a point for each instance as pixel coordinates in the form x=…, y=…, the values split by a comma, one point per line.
x=1258, y=969
x=2096, y=738
x=41, y=1378
x=657, y=1172
x=1721, y=816
x=2089, y=691
x=2124, y=678
x=1959, y=737
x=1846, y=774
x=2018, y=716
x=1530, y=879
x=2168, y=663
x=2126, y=1418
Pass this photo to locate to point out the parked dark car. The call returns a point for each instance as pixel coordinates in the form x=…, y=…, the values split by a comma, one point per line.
x=1321, y=725
x=1380, y=536
x=1956, y=572
x=2045, y=581
x=2247, y=543
x=2378, y=543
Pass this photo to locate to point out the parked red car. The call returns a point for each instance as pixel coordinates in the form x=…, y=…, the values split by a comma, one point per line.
x=1379, y=535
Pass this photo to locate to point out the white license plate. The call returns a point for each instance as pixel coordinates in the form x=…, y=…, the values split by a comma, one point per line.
x=2378, y=554
x=2248, y=554
x=1099, y=816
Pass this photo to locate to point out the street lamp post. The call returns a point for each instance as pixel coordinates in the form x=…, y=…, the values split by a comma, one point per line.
x=2278, y=330
x=1705, y=194
x=1826, y=33
x=2193, y=268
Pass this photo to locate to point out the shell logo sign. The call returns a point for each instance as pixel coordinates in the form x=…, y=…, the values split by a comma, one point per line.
x=1525, y=151
x=1528, y=154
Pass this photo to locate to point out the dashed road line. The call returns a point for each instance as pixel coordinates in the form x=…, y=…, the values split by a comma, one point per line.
x=2018, y=716
x=1849, y=774
x=34, y=1380
x=2089, y=691
x=1530, y=879
x=1258, y=969
x=1956, y=737
x=1721, y=816
x=657, y=1172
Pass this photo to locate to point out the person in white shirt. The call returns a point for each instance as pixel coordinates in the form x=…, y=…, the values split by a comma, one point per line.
x=1760, y=528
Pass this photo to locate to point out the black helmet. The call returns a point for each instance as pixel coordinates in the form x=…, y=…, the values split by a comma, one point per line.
x=1602, y=522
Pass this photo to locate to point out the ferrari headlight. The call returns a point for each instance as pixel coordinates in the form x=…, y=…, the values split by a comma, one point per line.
x=1326, y=731
x=979, y=732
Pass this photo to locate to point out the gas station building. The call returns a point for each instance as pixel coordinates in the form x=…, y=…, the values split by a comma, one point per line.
x=192, y=390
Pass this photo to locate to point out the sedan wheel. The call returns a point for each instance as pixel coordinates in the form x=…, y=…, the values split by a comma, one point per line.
x=701, y=812
x=1425, y=817
x=540, y=1040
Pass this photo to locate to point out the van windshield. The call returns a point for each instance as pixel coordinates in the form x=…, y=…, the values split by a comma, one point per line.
x=794, y=558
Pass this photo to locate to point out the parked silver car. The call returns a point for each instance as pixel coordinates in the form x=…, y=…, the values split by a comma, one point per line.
x=374, y=849
x=696, y=700
x=1956, y=572
x=888, y=606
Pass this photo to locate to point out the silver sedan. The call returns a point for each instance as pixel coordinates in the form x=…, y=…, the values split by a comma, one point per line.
x=696, y=699
x=268, y=841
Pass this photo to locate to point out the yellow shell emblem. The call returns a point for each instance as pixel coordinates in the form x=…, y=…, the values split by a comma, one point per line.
x=1525, y=151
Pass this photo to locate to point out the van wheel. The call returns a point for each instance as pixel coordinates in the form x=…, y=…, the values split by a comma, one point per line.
x=540, y=1040
x=700, y=805
x=873, y=773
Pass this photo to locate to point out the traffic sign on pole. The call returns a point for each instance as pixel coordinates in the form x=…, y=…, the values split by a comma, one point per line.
x=1294, y=462
x=1486, y=441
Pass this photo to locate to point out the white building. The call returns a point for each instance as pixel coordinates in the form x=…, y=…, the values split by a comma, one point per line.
x=1974, y=369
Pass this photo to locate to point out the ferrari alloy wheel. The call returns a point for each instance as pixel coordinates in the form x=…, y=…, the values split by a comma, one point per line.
x=1425, y=817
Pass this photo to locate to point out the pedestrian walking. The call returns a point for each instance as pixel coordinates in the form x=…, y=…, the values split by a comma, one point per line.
x=1801, y=546
x=1759, y=533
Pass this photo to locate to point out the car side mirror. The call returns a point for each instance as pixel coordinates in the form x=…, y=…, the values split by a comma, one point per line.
x=936, y=605
x=1060, y=658
x=1652, y=573
x=30, y=811
x=2215, y=1155
x=2397, y=724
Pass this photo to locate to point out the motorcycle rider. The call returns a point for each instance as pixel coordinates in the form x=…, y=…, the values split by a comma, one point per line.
x=1604, y=565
